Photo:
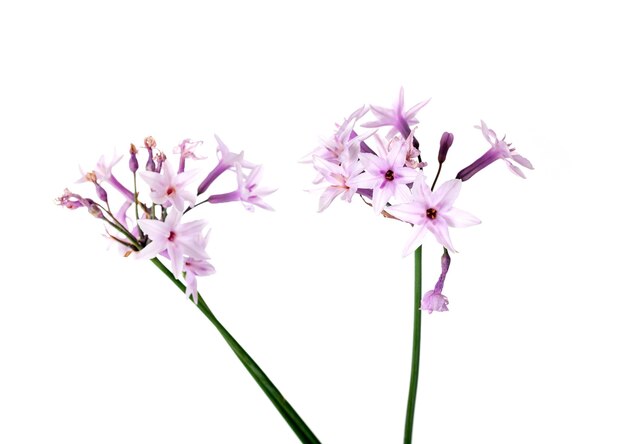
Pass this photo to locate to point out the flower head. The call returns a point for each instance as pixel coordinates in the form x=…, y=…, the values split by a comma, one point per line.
x=428, y=211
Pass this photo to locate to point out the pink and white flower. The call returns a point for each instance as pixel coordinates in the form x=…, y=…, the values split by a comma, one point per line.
x=428, y=211
x=338, y=178
x=396, y=117
x=248, y=190
x=169, y=187
x=178, y=239
x=385, y=174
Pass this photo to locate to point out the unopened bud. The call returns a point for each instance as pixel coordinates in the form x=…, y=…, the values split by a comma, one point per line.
x=444, y=145
x=101, y=192
x=95, y=210
x=91, y=177
x=133, y=164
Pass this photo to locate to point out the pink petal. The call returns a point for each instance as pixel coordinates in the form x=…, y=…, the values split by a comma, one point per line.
x=440, y=229
x=459, y=219
x=446, y=194
x=381, y=197
x=522, y=161
x=417, y=236
x=328, y=196
x=154, y=229
x=514, y=169
x=408, y=212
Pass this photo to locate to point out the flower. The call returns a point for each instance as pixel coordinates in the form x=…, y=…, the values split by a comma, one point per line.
x=399, y=120
x=385, y=174
x=227, y=160
x=248, y=190
x=177, y=239
x=338, y=177
x=434, y=300
x=186, y=150
x=192, y=268
x=428, y=211
x=170, y=187
x=499, y=150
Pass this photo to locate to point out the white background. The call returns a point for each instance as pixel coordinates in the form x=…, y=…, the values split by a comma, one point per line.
x=100, y=349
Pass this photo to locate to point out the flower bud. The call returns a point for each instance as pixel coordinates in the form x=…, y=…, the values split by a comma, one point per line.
x=149, y=142
x=133, y=164
x=444, y=145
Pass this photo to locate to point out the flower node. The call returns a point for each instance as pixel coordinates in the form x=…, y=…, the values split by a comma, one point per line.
x=431, y=213
x=389, y=175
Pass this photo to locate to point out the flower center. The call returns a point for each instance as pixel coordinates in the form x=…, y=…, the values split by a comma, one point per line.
x=389, y=175
x=172, y=236
x=431, y=213
x=170, y=191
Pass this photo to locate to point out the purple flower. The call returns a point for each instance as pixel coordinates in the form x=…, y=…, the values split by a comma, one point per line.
x=192, y=268
x=177, y=239
x=385, y=174
x=170, y=187
x=227, y=161
x=337, y=177
x=104, y=172
x=434, y=300
x=248, y=190
x=428, y=211
x=499, y=150
x=186, y=150
x=396, y=117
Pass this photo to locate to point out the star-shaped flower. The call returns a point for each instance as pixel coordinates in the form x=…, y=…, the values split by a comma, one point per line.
x=177, y=239
x=385, y=174
x=396, y=117
x=499, y=150
x=428, y=211
x=170, y=186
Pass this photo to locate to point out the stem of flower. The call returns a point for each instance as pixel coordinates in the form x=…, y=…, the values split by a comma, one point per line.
x=284, y=408
x=436, y=177
x=415, y=359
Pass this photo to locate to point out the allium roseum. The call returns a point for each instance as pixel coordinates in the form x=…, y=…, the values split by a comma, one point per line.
x=428, y=211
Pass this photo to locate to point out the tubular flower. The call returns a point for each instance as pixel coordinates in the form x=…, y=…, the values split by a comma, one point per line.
x=397, y=118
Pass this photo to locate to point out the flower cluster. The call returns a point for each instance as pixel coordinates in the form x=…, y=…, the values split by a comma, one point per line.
x=389, y=175
x=157, y=227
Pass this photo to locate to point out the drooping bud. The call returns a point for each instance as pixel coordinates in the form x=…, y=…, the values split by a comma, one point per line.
x=444, y=145
x=133, y=164
x=434, y=300
x=95, y=210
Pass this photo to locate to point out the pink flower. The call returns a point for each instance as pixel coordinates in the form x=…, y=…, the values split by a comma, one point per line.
x=344, y=139
x=396, y=117
x=177, y=239
x=385, y=174
x=104, y=172
x=434, y=300
x=499, y=150
x=170, y=187
x=428, y=211
x=248, y=190
x=186, y=150
x=227, y=161
x=193, y=268
x=338, y=177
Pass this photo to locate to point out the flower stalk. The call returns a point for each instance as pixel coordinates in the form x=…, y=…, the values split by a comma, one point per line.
x=415, y=355
x=292, y=418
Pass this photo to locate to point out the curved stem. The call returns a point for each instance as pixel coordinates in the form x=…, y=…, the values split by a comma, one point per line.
x=415, y=359
x=282, y=405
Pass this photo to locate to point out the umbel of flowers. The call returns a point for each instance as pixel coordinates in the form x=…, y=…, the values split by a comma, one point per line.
x=388, y=173
x=152, y=224
x=158, y=226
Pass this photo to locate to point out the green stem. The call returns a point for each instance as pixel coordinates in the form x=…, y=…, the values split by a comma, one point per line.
x=415, y=359
x=284, y=408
